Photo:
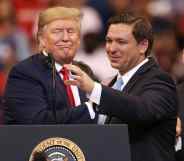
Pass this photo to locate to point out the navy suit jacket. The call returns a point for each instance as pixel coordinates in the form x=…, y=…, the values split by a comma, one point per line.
x=29, y=98
x=148, y=104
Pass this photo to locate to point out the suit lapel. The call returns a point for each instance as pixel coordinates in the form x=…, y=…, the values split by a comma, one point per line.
x=151, y=62
x=60, y=88
x=61, y=94
x=113, y=81
x=138, y=75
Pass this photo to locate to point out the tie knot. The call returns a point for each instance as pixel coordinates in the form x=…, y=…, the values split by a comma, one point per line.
x=64, y=71
x=118, y=84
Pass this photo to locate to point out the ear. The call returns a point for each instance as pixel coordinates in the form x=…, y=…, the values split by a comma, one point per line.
x=143, y=46
x=41, y=41
x=79, y=42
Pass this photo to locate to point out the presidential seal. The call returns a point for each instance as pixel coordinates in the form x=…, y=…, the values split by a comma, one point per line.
x=57, y=149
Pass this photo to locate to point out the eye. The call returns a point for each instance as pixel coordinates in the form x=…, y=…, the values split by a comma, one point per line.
x=108, y=40
x=56, y=31
x=70, y=31
x=120, y=41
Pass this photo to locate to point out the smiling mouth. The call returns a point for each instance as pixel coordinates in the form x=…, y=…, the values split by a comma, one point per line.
x=66, y=48
x=62, y=46
x=114, y=58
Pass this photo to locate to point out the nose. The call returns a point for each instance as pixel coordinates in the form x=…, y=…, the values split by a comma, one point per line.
x=111, y=47
x=65, y=35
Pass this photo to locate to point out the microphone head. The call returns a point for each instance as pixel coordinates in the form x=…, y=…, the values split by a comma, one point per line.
x=50, y=61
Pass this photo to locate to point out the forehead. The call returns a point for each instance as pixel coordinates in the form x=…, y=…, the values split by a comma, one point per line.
x=119, y=30
x=63, y=23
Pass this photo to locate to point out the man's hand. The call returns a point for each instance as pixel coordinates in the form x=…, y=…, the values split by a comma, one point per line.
x=80, y=79
x=178, y=127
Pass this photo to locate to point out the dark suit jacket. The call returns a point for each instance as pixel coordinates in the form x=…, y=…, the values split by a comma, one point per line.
x=29, y=98
x=180, y=90
x=148, y=104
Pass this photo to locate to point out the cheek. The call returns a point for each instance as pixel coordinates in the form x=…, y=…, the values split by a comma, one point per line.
x=106, y=47
x=124, y=58
x=49, y=41
x=53, y=40
x=76, y=43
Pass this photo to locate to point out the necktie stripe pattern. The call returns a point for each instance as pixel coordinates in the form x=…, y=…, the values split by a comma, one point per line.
x=65, y=74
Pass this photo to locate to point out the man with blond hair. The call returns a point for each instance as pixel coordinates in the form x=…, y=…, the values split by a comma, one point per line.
x=35, y=92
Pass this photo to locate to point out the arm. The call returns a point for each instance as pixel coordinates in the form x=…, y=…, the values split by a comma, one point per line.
x=155, y=99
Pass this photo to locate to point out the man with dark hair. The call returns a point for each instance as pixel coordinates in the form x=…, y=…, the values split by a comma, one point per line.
x=141, y=95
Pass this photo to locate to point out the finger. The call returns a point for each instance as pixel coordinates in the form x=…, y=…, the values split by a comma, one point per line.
x=75, y=77
x=74, y=69
x=178, y=127
x=71, y=82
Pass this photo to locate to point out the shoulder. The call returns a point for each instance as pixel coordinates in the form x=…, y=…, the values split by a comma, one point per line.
x=152, y=70
x=181, y=85
x=180, y=89
x=163, y=76
x=31, y=61
x=30, y=66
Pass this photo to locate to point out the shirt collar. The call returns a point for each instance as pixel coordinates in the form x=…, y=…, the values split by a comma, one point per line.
x=57, y=65
x=44, y=53
x=128, y=75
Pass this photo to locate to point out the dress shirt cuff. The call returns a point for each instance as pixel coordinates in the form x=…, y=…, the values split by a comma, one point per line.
x=101, y=119
x=90, y=109
x=95, y=94
x=178, y=145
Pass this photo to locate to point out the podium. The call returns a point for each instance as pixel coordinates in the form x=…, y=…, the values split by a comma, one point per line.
x=97, y=142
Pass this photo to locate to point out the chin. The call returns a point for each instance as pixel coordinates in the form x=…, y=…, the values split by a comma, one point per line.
x=67, y=61
x=62, y=60
x=116, y=66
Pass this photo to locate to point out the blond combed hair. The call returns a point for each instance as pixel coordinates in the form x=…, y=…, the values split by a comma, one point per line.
x=56, y=13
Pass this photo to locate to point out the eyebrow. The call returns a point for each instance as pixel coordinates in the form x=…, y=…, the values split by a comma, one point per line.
x=116, y=39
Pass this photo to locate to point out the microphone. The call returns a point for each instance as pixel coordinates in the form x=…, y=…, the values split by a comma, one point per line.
x=51, y=64
x=50, y=61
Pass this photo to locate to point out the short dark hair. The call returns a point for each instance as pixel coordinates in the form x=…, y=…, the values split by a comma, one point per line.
x=142, y=28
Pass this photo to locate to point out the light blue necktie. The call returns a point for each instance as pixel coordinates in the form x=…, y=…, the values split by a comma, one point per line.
x=118, y=84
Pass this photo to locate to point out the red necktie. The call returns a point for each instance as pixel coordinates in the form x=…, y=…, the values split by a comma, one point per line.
x=65, y=73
